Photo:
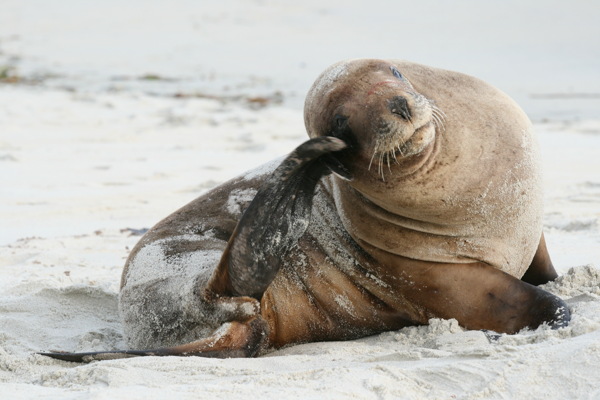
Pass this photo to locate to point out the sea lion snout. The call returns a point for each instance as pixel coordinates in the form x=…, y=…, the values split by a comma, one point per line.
x=399, y=105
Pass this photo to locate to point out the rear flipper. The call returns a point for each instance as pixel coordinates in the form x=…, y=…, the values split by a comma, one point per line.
x=274, y=221
x=232, y=339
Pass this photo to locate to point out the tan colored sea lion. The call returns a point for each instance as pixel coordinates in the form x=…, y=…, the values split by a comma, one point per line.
x=434, y=211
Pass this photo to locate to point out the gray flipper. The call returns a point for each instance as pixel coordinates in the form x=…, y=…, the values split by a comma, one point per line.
x=277, y=217
x=232, y=339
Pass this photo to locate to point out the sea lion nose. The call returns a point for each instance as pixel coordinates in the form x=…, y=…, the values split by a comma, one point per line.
x=399, y=106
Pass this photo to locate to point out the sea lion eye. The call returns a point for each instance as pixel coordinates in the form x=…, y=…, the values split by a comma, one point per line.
x=396, y=73
x=341, y=130
x=340, y=121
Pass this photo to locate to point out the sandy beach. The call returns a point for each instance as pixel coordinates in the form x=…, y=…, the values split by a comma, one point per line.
x=114, y=115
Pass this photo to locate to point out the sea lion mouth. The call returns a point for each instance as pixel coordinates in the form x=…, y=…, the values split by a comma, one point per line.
x=407, y=147
x=391, y=140
x=391, y=148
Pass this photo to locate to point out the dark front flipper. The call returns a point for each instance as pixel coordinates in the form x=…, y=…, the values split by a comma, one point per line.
x=540, y=270
x=477, y=295
x=482, y=297
x=232, y=339
x=274, y=221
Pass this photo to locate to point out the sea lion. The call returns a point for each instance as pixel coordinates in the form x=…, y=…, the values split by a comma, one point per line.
x=434, y=210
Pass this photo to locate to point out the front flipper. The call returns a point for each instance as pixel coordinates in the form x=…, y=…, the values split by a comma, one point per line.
x=540, y=270
x=476, y=294
x=480, y=296
x=274, y=221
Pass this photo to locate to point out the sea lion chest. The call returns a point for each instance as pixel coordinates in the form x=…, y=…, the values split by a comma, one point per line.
x=477, y=197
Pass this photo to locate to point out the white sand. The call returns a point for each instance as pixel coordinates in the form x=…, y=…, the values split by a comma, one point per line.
x=84, y=156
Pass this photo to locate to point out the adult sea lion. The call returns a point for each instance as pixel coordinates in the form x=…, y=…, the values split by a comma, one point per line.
x=434, y=211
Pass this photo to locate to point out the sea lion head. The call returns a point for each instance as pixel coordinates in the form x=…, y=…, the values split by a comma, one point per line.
x=373, y=106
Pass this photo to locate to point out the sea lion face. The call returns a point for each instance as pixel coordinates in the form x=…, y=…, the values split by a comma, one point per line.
x=372, y=105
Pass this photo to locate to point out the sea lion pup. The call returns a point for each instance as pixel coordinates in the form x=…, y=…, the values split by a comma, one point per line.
x=434, y=211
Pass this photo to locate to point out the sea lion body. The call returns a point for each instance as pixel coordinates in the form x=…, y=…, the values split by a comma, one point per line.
x=442, y=217
x=474, y=194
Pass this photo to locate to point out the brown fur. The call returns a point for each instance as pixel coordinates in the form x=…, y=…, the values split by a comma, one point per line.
x=419, y=242
x=442, y=219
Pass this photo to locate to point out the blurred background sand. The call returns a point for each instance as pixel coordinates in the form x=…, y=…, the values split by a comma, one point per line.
x=544, y=53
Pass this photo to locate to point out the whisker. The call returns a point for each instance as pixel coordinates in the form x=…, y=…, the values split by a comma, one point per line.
x=436, y=120
x=442, y=113
x=393, y=151
x=387, y=156
x=372, y=157
x=400, y=148
x=439, y=116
